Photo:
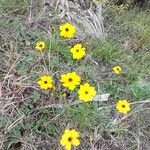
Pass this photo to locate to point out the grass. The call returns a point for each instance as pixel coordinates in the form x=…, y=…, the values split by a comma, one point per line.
x=32, y=119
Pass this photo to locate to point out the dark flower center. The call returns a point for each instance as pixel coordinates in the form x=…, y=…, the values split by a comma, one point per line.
x=70, y=80
x=86, y=92
x=67, y=29
x=118, y=69
x=77, y=50
x=45, y=82
x=40, y=45
x=123, y=106
x=70, y=139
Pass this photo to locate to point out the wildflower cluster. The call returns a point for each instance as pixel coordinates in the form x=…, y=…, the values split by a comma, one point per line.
x=71, y=80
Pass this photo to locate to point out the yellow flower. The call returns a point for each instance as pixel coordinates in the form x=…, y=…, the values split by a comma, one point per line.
x=45, y=82
x=123, y=106
x=117, y=69
x=70, y=138
x=86, y=92
x=78, y=51
x=67, y=30
x=70, y=80
x=40, y=45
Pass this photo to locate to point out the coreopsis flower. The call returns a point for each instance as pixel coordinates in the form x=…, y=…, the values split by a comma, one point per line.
x=40, y=45
x=117, y=69
x=45, y=82
x=86, y=92
x=77, y=51
x=67, y=30
x=70, y=80
x=70, y=138
x=123, y=106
